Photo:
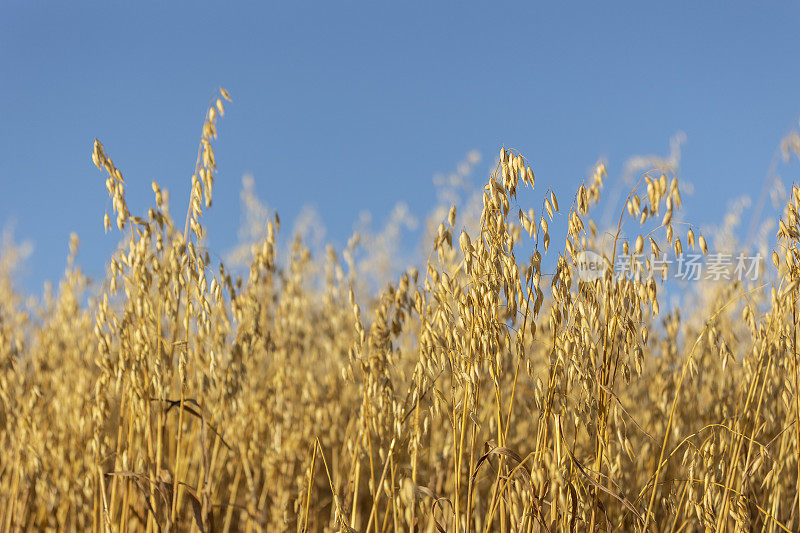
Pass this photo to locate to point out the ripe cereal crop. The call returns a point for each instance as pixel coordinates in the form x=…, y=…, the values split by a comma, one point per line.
x=490, y=387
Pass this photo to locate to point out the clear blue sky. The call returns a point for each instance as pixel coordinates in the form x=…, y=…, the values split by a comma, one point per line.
x=348, y=106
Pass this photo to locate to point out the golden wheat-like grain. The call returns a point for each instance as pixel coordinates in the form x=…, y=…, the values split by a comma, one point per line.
x=490, y=389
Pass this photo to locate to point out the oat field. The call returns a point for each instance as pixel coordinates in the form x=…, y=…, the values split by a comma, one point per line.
x=492, y=387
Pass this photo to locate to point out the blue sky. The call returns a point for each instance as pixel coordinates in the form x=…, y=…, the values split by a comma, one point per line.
x=350, y=106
